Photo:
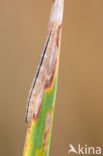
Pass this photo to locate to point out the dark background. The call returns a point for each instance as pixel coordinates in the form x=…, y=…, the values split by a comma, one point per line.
x=79, y=105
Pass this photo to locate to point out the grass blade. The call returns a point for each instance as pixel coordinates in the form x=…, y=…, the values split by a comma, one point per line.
x=41, y=101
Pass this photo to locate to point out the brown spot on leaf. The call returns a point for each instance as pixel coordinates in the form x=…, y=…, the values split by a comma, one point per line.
x=26, y=145
x=47, y=127
x=30, y=146
x=29, y=130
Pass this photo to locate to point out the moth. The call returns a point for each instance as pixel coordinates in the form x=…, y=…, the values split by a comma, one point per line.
x=48, y=63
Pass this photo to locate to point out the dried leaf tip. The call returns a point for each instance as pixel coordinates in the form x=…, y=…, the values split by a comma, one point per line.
x=57, y=11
